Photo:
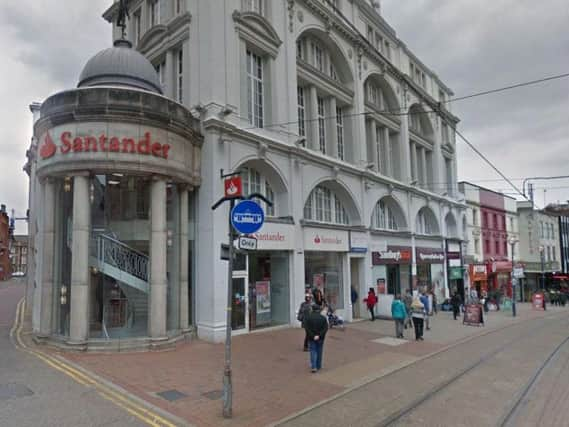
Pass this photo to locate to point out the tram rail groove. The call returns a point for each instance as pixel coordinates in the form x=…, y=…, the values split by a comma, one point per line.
x=522, y=395
x=400, y=414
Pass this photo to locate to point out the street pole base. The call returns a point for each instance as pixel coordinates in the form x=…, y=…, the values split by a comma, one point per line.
x=227, y=394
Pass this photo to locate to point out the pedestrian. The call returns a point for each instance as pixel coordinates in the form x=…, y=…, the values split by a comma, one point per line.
x=418, y=312
x=456, y=302
x=354, y=298
x=316, y=327
x=303, y=312
x=399, y=314
x=371, y=301
x=408, y=300
x=434, y=299
x=318, y=296
x=425, y=300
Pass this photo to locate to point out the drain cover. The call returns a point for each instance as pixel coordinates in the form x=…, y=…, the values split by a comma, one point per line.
x=213, y=395
x=13, y=391
x=172, y=395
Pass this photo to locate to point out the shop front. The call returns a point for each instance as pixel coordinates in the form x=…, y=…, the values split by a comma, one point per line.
x=359, y=243
x=478, y=278
x=391, y=275
x=455, y=270
x=430, y=271
x=500, y=277
x=261, y=286
x=326, y=264
x=114, y=200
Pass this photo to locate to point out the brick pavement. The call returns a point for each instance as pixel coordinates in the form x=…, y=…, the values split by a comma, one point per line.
x=270, y=371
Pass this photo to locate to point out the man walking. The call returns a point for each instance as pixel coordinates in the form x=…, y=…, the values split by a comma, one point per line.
x=426, y=303
x=408, y=300
x=399, y=314
x=456, y=302
x=303, y=313
x=316, y=328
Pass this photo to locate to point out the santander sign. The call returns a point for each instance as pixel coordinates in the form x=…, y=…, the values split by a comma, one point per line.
x=102, y=143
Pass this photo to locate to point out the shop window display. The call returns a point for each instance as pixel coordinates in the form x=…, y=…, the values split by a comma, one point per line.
x=323, y=270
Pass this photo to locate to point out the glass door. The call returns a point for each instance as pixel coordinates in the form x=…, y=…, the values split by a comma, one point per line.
x=239, y=304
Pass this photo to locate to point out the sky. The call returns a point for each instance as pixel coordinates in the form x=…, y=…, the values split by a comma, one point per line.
x=472, y=46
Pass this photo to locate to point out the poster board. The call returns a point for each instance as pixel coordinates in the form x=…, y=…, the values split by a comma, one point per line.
x=263, y=295
x=537, y=301
x=473, y=315
x=381, y=287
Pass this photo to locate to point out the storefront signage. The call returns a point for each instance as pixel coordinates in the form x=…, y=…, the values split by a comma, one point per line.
x=358, y=242
x=275, y=237
x=518, y=272
x=247, y=243
x=103, y=143
x=233, y=186
x=316, y=239
x=455, y=273
x=429, y=256
x=393, y=255
x=501, y=266
x=478, y=272
x=247, y=217
x=453, y=255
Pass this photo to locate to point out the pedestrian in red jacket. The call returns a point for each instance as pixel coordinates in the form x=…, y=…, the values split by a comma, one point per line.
x=371, y=301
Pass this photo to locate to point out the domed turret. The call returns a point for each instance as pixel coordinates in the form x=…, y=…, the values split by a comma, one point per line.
x=121, y=66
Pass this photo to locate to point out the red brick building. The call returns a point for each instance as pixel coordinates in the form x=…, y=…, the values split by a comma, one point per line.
x=5, y=273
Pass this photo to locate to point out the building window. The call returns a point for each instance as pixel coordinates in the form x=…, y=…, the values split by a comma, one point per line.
x=497, y=247
x=301, y=111
x=383, y=217
x=554, y=253
x=161, y=71
x=506, y=248
x=340, y=131
x=476, y=245
x=180, y=76
x=323, y=205
x=154, y=14
x=495, y=222
x=388, y=50
x=253, y=6
x=504, y=223
x=474, y=217
x=255, y=89
x=137, y=27
x=255, y=182
x=485, y=219
x=548, y=254
x=300, y=51
x=318, y=57
x=487, y=246
x=423, y=224
x=321, y=125
x=512, y=224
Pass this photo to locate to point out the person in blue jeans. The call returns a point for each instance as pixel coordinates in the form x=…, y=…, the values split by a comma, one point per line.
x=316, y=327
x=425, y=300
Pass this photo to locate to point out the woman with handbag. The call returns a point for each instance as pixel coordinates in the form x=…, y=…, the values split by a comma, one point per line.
x=418, y=313
x=371, y=301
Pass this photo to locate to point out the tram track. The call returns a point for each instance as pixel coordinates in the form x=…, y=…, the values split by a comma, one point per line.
x=419, y=402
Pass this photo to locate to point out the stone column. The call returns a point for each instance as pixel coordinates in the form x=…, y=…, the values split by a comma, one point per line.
x=184, y=260
x=332, y=141
x=47, y=251
x=424, y=175
x=170, y=75
x=158, y=279
x=79, y=327
x=374, y=150
x=413, y=172
x=387, y=153
x=313, y=141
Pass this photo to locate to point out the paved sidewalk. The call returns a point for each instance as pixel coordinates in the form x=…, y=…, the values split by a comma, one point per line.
x=270, y=371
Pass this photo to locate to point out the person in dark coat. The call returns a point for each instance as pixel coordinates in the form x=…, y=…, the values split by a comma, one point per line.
x=455, y=301
x=303, y=313
x=318, y=297
x=316, y=327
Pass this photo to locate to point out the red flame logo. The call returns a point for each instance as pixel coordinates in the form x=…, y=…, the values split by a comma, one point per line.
x=317, y=239
x=48, y=148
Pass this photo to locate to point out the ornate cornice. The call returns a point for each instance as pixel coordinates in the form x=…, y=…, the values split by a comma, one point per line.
x=258, y=30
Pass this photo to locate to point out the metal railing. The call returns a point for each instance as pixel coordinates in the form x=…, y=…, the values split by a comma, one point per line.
x=117, y=254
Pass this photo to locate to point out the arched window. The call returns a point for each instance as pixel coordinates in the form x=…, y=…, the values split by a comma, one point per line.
x=323, y=205
x=255, y=182
x=426, y=223
x=383, y=218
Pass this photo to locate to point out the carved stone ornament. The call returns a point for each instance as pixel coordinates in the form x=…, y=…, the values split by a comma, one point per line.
x=290, y=8
x=350, y=53
x=360, y=55
x=300, y=16
x=365, y=65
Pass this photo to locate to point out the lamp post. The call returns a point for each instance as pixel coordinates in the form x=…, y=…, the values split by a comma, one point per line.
x=542, y=257
x=514, y=279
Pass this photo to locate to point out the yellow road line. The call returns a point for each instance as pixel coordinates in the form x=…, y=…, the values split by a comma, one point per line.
x=84, y=379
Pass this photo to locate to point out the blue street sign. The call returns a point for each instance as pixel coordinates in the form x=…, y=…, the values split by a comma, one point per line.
x=247, y=217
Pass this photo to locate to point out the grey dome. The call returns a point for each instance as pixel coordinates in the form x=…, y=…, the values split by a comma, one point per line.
x=120, y=65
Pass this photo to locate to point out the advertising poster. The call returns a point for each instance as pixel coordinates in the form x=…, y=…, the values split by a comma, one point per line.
x=473, y=315
x=381, y=288
x=263, y=297
x=537, y=301
x=318, y=281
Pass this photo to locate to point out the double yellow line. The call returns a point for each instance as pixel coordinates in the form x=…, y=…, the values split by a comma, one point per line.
x=133, y=408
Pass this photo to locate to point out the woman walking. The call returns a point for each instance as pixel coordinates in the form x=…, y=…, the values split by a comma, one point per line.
x=371, y=301
x=399, y=314
x=418, y=312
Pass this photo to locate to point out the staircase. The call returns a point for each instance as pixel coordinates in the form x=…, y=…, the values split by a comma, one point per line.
x=129, y=268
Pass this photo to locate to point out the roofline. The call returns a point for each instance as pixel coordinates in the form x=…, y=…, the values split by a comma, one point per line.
x=487, y=189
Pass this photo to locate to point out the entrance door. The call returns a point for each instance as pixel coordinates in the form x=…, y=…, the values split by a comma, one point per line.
x=238, y=304
x=357, y=285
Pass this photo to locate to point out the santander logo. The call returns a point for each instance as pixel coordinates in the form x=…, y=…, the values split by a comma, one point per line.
x=48, y=148
x=232, y=189
x=317, y=239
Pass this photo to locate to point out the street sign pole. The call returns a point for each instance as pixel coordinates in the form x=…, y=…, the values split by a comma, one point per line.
x=227, y=383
